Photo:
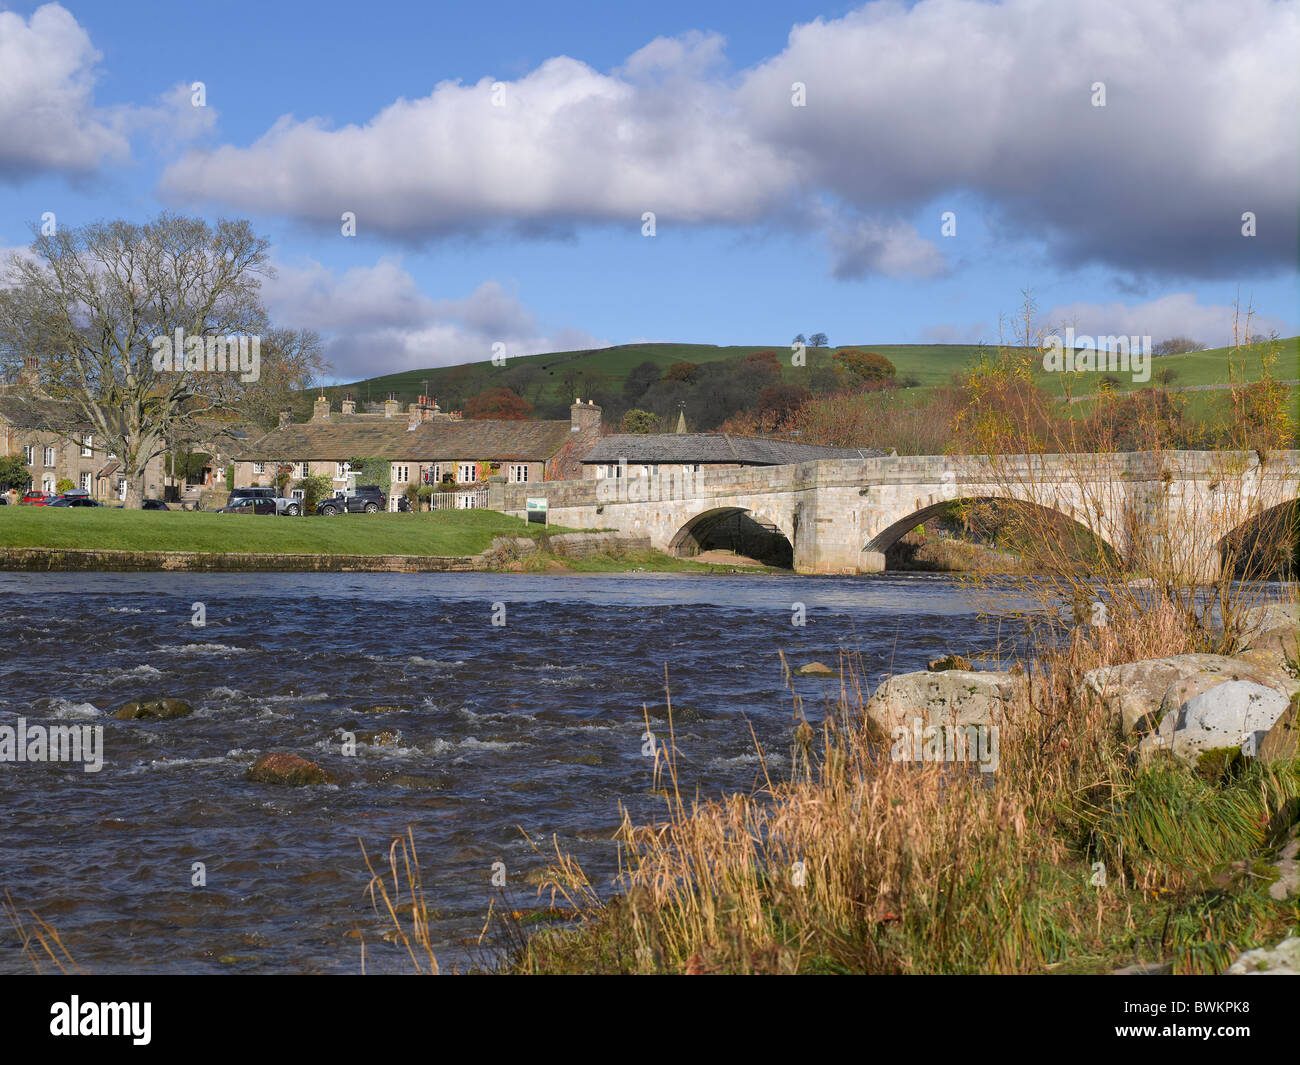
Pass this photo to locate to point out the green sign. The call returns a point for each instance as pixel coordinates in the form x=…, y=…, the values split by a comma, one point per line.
x=536, y=509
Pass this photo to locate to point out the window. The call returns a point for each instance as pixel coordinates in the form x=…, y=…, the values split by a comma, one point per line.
x=259, y=468
x=84, y=481
x=519, y=473
x=465, y=473
x=305, y=468
x=49, y=456
x=87, y=446
x=29, y=454
x=401, y=474
x=121, y=488
x=298, y=493
x=47, y=483
x=341, y=470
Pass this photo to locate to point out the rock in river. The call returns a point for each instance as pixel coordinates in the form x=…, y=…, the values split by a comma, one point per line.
x=281, y=768
x=150, y=709
x=816, y=669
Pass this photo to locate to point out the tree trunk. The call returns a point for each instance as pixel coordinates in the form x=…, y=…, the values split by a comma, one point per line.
x=134, y=491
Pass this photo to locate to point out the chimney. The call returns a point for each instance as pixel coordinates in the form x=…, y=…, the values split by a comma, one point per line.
x=584, y=416
x=391, y=406
x=349, y=405
x=320, y=409
x=286, y=416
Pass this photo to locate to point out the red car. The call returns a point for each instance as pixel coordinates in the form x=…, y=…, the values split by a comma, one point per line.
x=37, y=499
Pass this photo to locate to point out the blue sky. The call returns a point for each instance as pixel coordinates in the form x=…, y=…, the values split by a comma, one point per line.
x=517, y=218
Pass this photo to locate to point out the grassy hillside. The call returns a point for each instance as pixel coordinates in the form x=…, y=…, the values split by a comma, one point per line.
x=928, y=364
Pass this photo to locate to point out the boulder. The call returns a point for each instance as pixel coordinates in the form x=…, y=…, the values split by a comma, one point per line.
x=816, y=669
x=154, y=709
x=947, y=662
x=1272, y=627
x=1280, y=743
x=281, y=768
x=955, y=697
x=1234, y=714
x=1282, y=960
x=1133, y=693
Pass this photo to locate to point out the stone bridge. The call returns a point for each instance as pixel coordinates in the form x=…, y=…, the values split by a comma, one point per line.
x=1157, y=511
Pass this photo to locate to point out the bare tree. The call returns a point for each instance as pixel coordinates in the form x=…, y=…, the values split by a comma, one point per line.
x=150, y=333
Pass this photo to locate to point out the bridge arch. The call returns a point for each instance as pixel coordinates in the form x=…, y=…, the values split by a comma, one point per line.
x=1266, y=544
x=734, y=528
x=877, y=546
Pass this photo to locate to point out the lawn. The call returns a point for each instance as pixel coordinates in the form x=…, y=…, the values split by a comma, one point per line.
x=444, y=532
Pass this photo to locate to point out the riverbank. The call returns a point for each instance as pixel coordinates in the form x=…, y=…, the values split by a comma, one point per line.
x=1084, y=844
x=80, y=540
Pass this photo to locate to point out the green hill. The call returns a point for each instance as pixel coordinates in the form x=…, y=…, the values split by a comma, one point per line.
x=615, y=376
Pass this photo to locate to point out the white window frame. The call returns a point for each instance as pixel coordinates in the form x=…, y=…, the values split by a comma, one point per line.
x=87, y=446
x=341, y=470
x=305, y=467
x=519, y=473
x=461, y=476
x=298, y=493
x=29, y=454
x=121, y=488
x=259, y=468
x=401, y=473
x=48, y=456
x=47, y=483
x=83, y=481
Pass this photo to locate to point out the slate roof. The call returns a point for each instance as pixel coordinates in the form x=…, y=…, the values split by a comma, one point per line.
x=341, y=437
x=705, y=448
x=24, y=412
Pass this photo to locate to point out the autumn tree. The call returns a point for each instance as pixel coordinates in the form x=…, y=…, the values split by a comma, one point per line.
x=100, y=308
x=500, y=403
x=866, y=365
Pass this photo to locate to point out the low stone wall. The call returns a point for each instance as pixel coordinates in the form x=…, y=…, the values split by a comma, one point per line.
x=44, y=558
x=572, y=545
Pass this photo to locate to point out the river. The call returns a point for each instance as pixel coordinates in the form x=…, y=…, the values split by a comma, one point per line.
x=534, y=724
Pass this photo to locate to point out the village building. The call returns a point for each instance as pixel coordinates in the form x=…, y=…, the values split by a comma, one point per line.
x=57, y=444
x=424, y=446
x=649, y=454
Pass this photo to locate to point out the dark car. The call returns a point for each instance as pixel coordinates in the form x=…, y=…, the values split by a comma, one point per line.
x=368, y=499
x=73, y=501
x=154, y=504
x=249, y=506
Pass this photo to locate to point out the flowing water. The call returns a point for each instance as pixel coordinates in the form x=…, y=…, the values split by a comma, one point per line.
x=536, y=724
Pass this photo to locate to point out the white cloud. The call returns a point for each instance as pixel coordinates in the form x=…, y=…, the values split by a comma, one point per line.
x=905, y=105
x=48, y=121
x=375, y=320
x=1175, y=315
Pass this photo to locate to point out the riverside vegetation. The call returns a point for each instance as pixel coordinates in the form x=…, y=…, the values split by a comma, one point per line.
x=1092, y=848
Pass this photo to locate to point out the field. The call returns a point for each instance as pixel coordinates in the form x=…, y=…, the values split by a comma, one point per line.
x=445, y=532
x=928, y=364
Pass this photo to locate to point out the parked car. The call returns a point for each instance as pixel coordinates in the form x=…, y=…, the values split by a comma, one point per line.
x=73, y=501
x=369, y=499
x=154, y=504
x=283, y=504
x=36, y=499
x=250, y=506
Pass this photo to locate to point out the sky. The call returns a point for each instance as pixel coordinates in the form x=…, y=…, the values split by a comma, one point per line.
x=564, y=175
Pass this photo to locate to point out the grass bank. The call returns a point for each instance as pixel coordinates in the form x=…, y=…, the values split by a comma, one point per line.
x=442, y=533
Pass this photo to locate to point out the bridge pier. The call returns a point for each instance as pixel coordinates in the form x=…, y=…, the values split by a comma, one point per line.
x=871, y=562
